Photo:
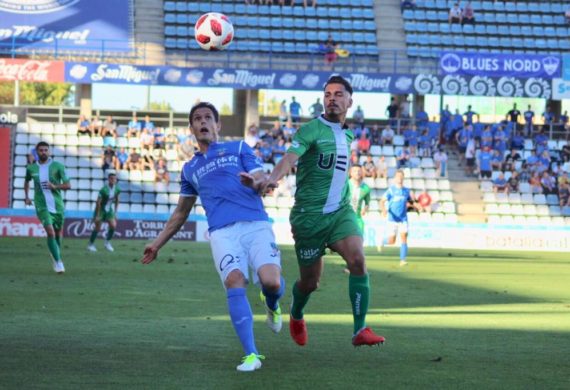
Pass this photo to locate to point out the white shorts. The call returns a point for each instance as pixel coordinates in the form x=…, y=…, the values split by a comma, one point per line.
x=244, y=246
x=392, y=228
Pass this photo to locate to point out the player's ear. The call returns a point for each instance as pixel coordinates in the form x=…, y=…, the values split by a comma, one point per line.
x=350, y=102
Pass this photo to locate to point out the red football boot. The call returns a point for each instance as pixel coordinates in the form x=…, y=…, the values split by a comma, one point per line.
x=367, y=337
x=298, y=331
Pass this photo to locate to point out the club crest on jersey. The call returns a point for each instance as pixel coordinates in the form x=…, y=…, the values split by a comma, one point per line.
x=274, y=250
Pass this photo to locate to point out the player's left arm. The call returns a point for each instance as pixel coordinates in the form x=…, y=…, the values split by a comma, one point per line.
x=364, y=209
x=63, y=184
x=413, y=202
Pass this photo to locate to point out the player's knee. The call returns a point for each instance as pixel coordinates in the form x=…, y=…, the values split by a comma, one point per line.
x=357, y=264
x=271, y=284
x=308, y=286
x=235, y=279
x=392, y=240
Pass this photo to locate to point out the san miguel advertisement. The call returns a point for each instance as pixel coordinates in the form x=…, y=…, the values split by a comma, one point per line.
x=137, y=229
x=31, y=70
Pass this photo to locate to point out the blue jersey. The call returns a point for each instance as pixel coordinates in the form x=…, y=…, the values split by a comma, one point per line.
x=485, y=161
x=528, y=115
x=397, y=203
x=214, y=177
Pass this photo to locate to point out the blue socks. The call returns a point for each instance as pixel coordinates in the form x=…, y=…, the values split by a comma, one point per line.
x=403, y=251
x=242, y=318
x=271, y=299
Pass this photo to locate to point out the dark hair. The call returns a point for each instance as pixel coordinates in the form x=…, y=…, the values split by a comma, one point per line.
x=356, y=166
x=41, y=143
x=204, y=105
x=339, y=80
x=111, y=174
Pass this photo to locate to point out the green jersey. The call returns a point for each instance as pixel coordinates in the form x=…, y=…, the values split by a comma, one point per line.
x=360, y=195
x=44, y=198
x=323, y=148
x=108, y=197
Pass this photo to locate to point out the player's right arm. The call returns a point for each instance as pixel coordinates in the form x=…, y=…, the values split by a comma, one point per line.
x=177, y=219
x=27, y=199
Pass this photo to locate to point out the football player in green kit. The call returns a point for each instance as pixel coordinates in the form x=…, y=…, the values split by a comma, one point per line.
x=105, y=210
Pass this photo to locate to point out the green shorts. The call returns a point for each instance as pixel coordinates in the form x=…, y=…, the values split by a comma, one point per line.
x=50, y=219
x=104, y=216
x=314, y=232
x=360, y=222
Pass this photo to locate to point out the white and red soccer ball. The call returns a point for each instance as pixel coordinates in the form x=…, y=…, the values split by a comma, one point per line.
x=214, y=31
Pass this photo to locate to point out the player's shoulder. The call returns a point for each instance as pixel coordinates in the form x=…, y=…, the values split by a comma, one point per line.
x=57, y=164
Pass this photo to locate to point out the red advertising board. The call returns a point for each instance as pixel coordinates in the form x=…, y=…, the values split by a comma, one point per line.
x=5, y=143
x=12, y=226
x=31, y=70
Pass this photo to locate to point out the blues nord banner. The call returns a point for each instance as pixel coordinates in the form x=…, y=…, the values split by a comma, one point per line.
x=499, y=65
x=66, y=24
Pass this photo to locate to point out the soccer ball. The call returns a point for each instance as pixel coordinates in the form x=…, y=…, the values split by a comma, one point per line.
x=214, y=31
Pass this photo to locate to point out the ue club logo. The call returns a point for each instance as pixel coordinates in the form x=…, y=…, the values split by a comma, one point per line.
x=35, y=6
x=551, y=65
x=450, y=63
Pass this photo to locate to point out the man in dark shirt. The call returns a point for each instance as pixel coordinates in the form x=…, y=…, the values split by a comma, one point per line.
x=513, y=116
x=392, y=111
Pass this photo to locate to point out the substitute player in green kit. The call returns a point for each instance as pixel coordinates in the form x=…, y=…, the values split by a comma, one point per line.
x=360, y=195
x=105, y=210
x=49, y=180
x=322, y=215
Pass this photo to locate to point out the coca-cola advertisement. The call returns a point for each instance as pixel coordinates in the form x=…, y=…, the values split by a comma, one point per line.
x=136, y=229
x=31, y=70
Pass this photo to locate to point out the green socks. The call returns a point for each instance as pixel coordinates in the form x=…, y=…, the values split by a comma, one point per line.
x=299, y=302
x=93, y=236
x=54, y=248
x=359, y=292
x=110, y=233
x=58, y=239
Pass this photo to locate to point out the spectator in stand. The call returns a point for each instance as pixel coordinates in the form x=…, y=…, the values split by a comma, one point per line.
x=548, y=183
x=279, y=150
x=470, y=157
x=148, y=124
x=544, y=161
x=456, y=126
x=513, y=182
x=462, y=138
x=411, y=138
x=486, y=138
x=289, y=130
x=363, y=144
x=316, y=109
x=266, y=152
x=358, y=117
x=147, y=161
x=440, y=161
x=528, y=120
x=468, y=14
x=407, y=4
x=514, y=156
x=513, y=117
x=276, y=131
x=445, y=120
x=330, y=47
x=387, y=136
x=563, y=179
x=564, y=195
x=83, y=127
x=295, y=110
x=313, y=3
x=455, y=14
x=548, y=116
x=171, y=140
x=425, y=143
x=532, y=161
x=404, y=112
x=159, y=138
x=283, y=113
x=422, y=118
x=404, y=157
x=500, y=184
x=134, y=127
x=147, y=139
x=541, y=141
x=484, y=163
x=469, y=115
x=500, y=140
x=517, y=142
x=96, y=126
x=392, y=111
x=375, y=135
x=161, y=174
x=369, y=168
x=497, y=160
x=382, y=168
x=535, y=184
x=134, y=161
x=121, y=160
x=358, y=131
x=563, y=121
x=109, y=127
x=186, y=149
x=424, y=202
x=524, y=173
x=252, y=137
x=108, y=158
x=567, y=15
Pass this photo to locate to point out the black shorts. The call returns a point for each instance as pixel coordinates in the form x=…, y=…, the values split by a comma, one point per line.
x=470, y=162
x=462, y=149
x=486, y=174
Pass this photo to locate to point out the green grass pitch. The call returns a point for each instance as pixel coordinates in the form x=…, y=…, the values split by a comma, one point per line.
x=452, y=319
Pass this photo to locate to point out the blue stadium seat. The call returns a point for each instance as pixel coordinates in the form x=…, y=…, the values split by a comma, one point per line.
x=550, y=31
x=288, y=23
x=501, y=19
x=169, y=6
x=524, y=19
x=323, y=24
x=347, y=37
x=556, y=8
x=358, y=25
x=276, y=22
x=538, y=31
x=264, y=34
x=217, y=8
x=446, y=40
x=336, y=36
x=515, y=30
x=334, y=24
x=181, y=6
x=459, y=40
x=547, y=20
x=312, y=36
x=541, y=44
x=518, y=42
x=487, y=6
x=170, y=30
x=431, y=27
x=480, y=29
x=299, y=23
x=408, y=14
x=468, y=29
x=300, y=35
x=274, y=10
x=429, y=4
x=552, y=44
x=434, y=39
x=368, y=3
x=228, y=8
x=323, y=36
x=411, y=38
x=441, y=4
x=372, y=50
x=522, y=6
x=489, y=18
x=264, y=21
x=493, y=42
x=240, y=9
x=483, y=41
x=456, y=29
x=263, y=10
x=310, y=12
x=204, y=7
x=289, y=47
x=529, y=43
x=252, y=33
x=370, y=38
x=182, y=43
x=492, y=29
x=182, y=31
x=252, y=9
x=499, y=6
x=431, y=16
x=286, y=11
x=169, y=18
x=357, y=13
x=562, y=32
x=334, y=12
x=240, y=21
x=264, y=46
x=252, y=21
x=170, y=43
x=408, y=26
x=301, y=47
x=559, y=20
x=444, y=28
x=505, y=42
x=345, y=14
x=534, y=7
x=298, y=12
x=526, y=31
x=564, y=44
x=510, y=7
x=419, y=14
x=276, y=35
x=535, y=19
x=182, y=19
x=503, y=30
x=470, y=41
x=369, y=25
x=312, y=24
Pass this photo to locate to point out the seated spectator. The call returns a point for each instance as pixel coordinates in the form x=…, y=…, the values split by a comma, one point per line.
x=295, y=110
x=500, y=140
x=411, y=138
x=147, y=161
x=171, y=140
x=484, y=163
x=564, y=195
x=455, y=14
x=375, y=135
x=567, y=15
x=276, y=131
x=96, y=126
x=382, y=168
x=252, y=136
x=513, y=155
x=363, y=144
x=497, y=160
x=159, y=138
x=161, y=174
x=500, y=184
x=387, y=136
x=535, y=184
x=541, y=141
x=134, y=127
x=266, y=152
x=134, y=162
x=403, y=158
x=108, y=158
x=440, y=161
x=425, y=143
x=279, y=150
x=524, y=174
x=468, y=14
x=368, y=168
x=316, y=109
x=109, y=127
x=147, y=139
x=313, y=3
x=423, y=202
x=548, y=183
x=487, y=138
x=330, y=47
x=408, y=4
x=358, y=117
x=148, y=124
x=83, y=126
x=517, y=142
x=513, y=182
x=121, y=160
x=563, y=179
x=422, y=118
x=354, y=156
x=186, y=149
x=289, y=130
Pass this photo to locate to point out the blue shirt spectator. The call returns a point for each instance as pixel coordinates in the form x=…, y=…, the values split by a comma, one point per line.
x=469, y=114
x=517, y=142
x=411, y=136
x=548, y=116
x=422, y=118
x=147, y=124
x=487, y=138
x=295, y=110
x=485, y=157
